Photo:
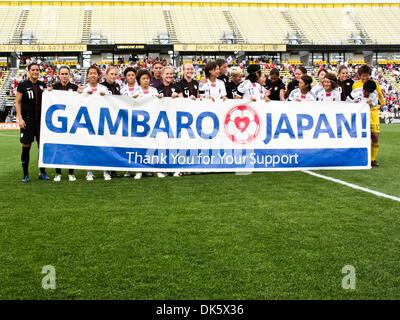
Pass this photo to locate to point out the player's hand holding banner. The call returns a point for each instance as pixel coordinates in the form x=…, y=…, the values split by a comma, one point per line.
x=168, y=135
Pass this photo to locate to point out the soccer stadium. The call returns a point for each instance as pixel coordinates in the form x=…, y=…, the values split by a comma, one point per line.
x=327, y=228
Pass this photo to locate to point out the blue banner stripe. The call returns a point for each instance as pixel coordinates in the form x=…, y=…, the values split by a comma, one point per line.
x=97, y=156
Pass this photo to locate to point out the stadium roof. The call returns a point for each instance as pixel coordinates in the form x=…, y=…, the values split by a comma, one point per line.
x=216, y=1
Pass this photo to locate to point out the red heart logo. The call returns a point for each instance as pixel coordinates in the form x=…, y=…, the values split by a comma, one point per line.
x=242, y=123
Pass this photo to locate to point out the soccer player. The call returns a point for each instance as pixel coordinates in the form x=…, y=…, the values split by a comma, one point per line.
x=345, y=83
x=329, y=90
x=130, y=88
x=366, y=94
x=64, y=74
x=188, y=87
x=364, y=73
x=143, y=78
x=155, y=80
x=131, y=85
x=251, y=89
x=213, y=87
x=110, y=81
x=167, y=88
x=369, y=95
x=275, y=86
x=303, y=92
x=319, y=86
x=223, y=70
x=236, y=79
x=28, y=106
x=94, y=87
x=294, y=84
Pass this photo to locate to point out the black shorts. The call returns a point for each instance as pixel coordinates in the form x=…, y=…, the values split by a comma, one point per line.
x=31, y=131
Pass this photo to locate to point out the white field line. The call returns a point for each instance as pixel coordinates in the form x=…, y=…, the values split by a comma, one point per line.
x=8, y=135
x=354, y=186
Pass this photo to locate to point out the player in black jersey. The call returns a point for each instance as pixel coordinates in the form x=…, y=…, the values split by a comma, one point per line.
x=275, y=86
x=28, y=104
x=111, y=80
x=167, y=87
x=113, y=87
x=345, y=83
x=294, y=84
x=65, y=85
x=236, y=79
x=188, y=87
x=223, y=70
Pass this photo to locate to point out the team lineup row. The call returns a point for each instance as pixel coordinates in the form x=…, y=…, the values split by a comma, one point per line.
x=217, y=85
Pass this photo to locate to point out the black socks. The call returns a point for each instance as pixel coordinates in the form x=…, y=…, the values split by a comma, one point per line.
x=25, y=160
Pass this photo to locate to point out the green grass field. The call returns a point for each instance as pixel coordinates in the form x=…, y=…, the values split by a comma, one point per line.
x=283, y=235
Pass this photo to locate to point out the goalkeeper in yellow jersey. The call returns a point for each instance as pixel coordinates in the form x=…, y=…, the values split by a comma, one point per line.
x=364, y=73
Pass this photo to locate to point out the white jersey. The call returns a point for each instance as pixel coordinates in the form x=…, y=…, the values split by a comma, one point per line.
x=317, y=89
x=357, y=95
x=216, y=90
x=96, y=90
x=296, y=95
x=151, y=91
x=249, y=90
x=333, y=95
x=129, y=91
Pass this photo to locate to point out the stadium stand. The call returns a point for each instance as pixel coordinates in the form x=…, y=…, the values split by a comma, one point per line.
x=265, y=25
x=3, y=77
x=325, y=26
x=133, y=24
x=4, y=85
x=55, y=24
x=198, y=23
x=7, y=22
x=380, y=23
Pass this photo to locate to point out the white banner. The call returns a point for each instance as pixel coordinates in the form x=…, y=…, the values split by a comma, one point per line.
x=9, y=126
x=150, y=134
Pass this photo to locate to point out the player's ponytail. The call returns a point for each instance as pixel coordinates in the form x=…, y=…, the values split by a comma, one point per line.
x=253, y=77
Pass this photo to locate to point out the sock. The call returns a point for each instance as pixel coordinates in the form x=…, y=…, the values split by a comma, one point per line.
x=71, y=171
x=58, y=171
x=42, y=170
x=374, y=151
x=25, y=160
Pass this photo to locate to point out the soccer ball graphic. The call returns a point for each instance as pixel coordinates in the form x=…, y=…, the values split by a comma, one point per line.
x=242, y=124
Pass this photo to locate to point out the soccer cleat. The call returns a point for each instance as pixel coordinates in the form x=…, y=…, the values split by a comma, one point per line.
x=43, y=176
x=138, y=176
x=26, y=179
x=107, y=176
x=71, y=177
x=90, y=176
x=160, y=175
x=177, y=174
x=127, y=174
x=113, y=174
x=57, y=178
x=374, y=163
